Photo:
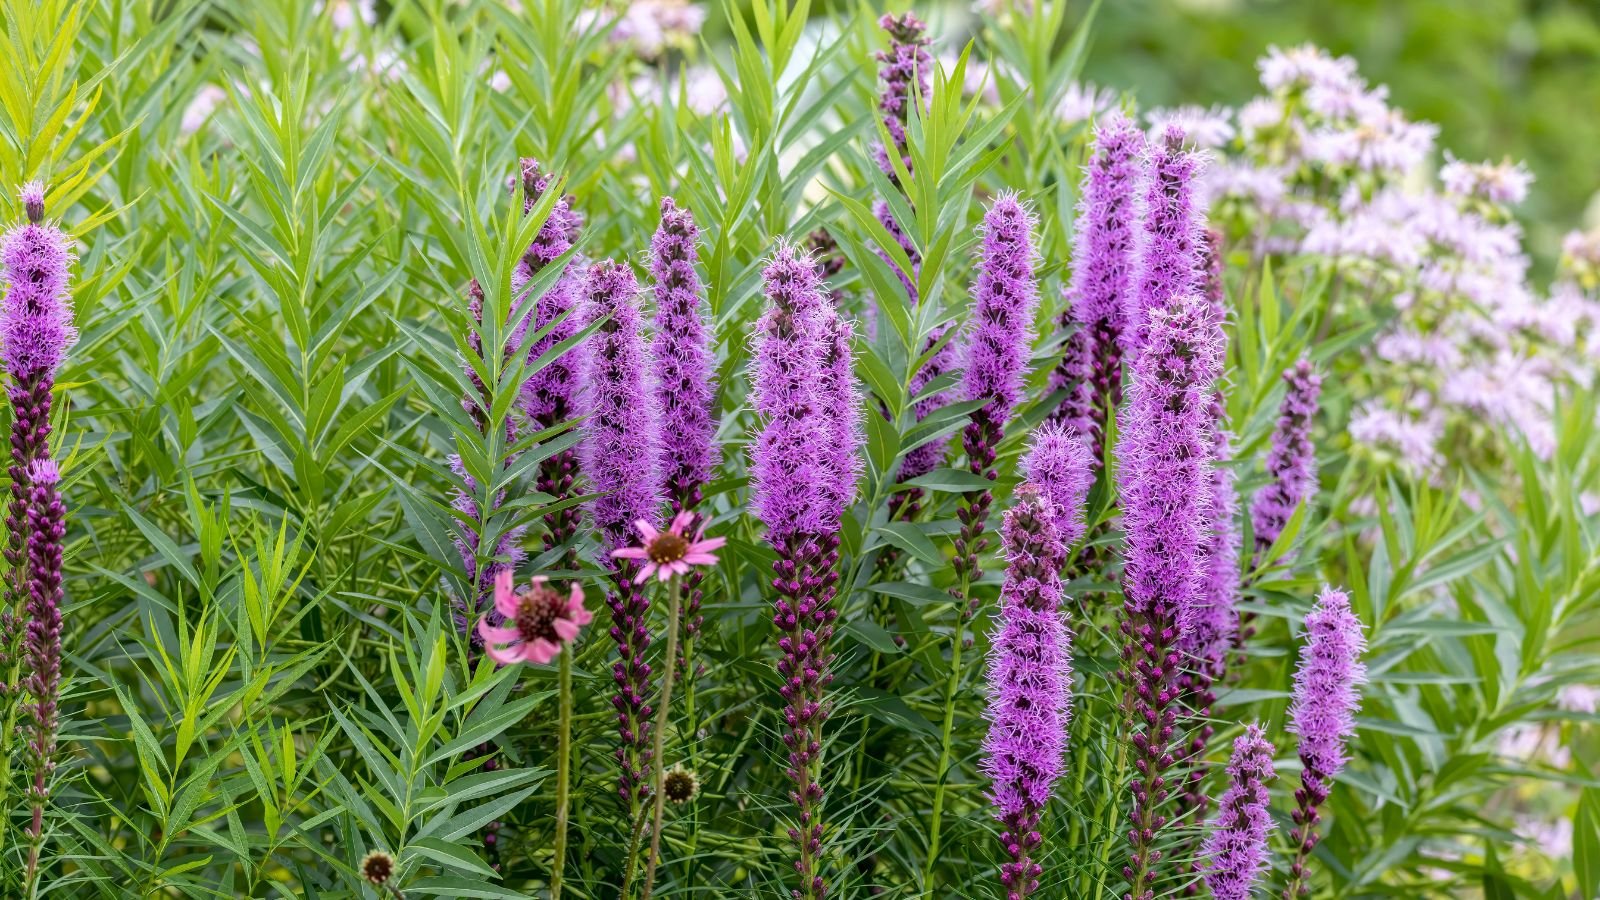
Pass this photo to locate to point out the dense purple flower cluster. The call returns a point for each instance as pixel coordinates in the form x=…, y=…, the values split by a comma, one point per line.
x=1236, y=846
x=1170, y=243
x=804, y=468
x=619, y=458
x=1326, y=695
x=1059, y=464
x=1164, y=473
x=1292, y=461
x=1104, y=277
x=1029, y=683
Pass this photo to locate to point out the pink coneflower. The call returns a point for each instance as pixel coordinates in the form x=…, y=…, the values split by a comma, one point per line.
x=538, y=621
x=669, y=553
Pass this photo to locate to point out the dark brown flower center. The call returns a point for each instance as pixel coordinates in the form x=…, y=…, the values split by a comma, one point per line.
x=679, y=786
x=667, y=548
x=377, y=867
x=537, y=610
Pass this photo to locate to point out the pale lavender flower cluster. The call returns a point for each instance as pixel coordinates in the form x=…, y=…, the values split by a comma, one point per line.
x=1292, y=460
x=1236, y=847
x=804, y=465
x=1326, y=695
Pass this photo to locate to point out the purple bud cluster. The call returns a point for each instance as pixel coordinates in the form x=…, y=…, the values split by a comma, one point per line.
x=1029, y=684
x=804, y=465
x=1104, y=278
x=1164, y=474
x=1326, y=696
x=1235, y=850
x=1292, y=460
x=46, y=532
x=903, y=69
x=619, y=457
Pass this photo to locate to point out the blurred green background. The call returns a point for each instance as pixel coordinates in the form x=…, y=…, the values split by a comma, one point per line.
x=1518, y=78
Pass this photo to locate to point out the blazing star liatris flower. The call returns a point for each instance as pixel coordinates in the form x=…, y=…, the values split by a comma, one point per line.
x=538, y=621
x=671, y=552
x=1030, y=685
x=1164, y=473
x=551, y=396
x=997, y=348
x=1326, y=696
x=1170, y=254
x=1235, y=851
x=797, y=378
x=685, y=383
x=36, y=332
x=903, y=69
x=1059, y=465
x=1104, y=278
x=619, y=457
x=1292, y=461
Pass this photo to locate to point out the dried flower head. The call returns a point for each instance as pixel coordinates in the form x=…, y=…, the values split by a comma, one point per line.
x=377, y=867
x=680, y=785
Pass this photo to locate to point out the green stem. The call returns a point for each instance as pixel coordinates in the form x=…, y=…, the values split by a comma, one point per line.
x=663, y=706
x=952, y=686
x=563, y=770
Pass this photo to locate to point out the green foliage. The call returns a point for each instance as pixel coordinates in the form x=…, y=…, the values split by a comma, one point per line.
x=264, y=677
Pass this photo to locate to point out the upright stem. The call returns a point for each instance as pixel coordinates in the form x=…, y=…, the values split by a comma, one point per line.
x=563, y=769
x=951, y=686
x=664, y=705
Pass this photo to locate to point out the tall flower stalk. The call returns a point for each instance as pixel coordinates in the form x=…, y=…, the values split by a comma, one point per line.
x=685, y=388
x=36, y=332
x=803, y=467
x=1292, y=459
x=1164, y=475
x=1171, y=251
x=1030, y=660
x=997, y=347
x=1235, y=851
x=1326, y=696
x=1104, y=277
x=619, y=459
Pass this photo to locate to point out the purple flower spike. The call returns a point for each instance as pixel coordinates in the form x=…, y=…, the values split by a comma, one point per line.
x=1236, y=847
x=619, y=457
x=46, y=532
x=36, y=318
x=684, y=359
x=1326, y=696
x=1103, y=278
x=1170, y=244
x=804, y=469
x=685, y=384
x=1029, y=683
x=1004, y=299
x=1058, y=463
x=1164, y=473
x=1292, y=461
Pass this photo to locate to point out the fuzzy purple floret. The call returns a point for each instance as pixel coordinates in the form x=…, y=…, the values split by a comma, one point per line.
x=1213, y=622
x=1164, y=474
x=620, y=434
x=1059, y=465
x=1326, y=685
x=684, y=359
x=1326, y=696
x=1170, y=243
x=789, y=459
x=1292, y=460
x=1005, y=296
x=1104, y=272
x=922, y=459
x=1029, y=684
x=551, y=395
x=1236, y=847
x=843, y=463
x=36, y=315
